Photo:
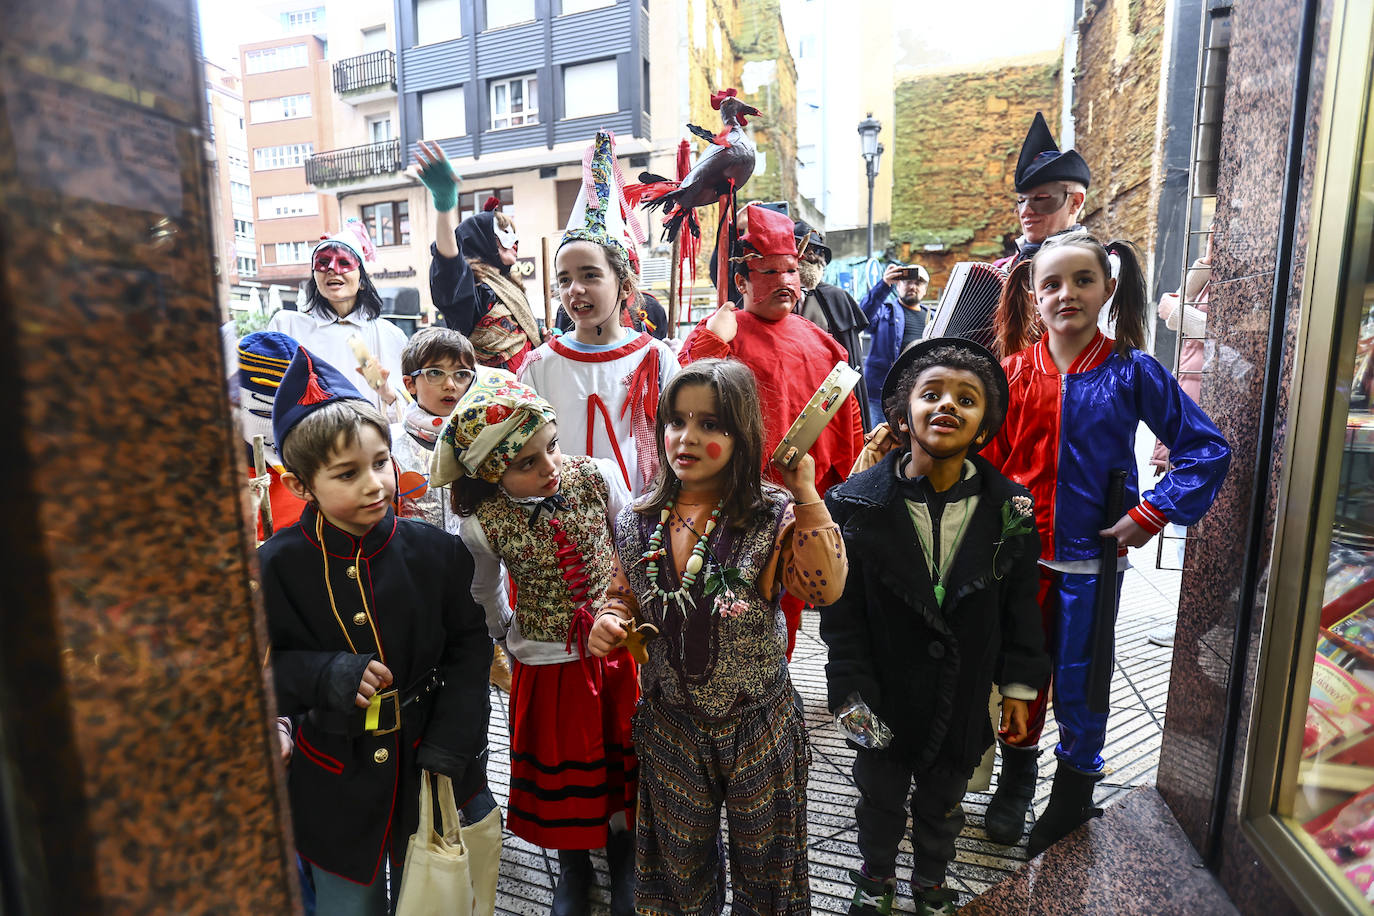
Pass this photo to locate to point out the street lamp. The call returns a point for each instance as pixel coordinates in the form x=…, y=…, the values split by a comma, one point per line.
x=869, y=128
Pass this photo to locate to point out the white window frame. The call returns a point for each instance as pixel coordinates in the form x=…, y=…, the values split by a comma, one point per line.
x=529, y=91
x=582, y=101
x=306, y=18
x=286, y=206
x=247, y=267
x=504, y=15
x=295, y=252
x=269, y=60
x=288, y=156
x=437, y=21
x=243, y=196
x=447, y=121
x=373, y=121
x=281, y=108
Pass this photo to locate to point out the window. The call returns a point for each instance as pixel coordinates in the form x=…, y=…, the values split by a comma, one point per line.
x=243, y=229
x=470, y=202
x=591, y=89
x=581, y=6
x=514, y=102
x=279, y=109
x=303, y=19
x=438, y=20
x=501, y=13
x=379, y=129
x=247, y=267
x=388, y=223
x=238, y=157
x=288, y=205
x=240, y=192
x=282, y=157
x=442, y=115
x=266, y=60
x=374, y=39
x=289, y=252
x=565, y=194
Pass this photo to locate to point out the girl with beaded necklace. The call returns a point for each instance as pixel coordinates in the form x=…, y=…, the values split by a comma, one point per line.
x=703, y=558
x=525, y=508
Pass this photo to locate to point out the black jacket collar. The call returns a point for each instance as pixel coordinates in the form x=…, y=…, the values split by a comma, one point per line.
x=340, y=543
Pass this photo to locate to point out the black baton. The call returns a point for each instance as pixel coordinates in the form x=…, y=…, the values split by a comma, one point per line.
x=1104, y=612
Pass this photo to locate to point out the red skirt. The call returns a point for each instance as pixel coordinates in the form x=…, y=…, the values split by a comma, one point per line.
x=572, y=760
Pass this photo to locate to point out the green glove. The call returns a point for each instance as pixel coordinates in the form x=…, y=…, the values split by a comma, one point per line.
x=442, y=182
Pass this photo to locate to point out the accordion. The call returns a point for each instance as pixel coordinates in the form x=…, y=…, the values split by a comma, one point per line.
x=968, y=303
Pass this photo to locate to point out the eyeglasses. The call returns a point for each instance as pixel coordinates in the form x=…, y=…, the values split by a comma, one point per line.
x=436, y=376
x=1043, y=204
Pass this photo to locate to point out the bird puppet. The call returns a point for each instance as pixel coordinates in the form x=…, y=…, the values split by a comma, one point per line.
x=721, y=170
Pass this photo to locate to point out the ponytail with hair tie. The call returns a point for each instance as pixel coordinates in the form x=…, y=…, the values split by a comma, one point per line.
x=1129, y=304
x=1015, y=319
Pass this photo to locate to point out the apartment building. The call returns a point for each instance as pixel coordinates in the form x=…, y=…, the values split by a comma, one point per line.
x=231, y=201
x=290, y=114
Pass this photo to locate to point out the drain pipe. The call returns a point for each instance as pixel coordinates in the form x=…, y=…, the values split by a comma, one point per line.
x=1259, y=489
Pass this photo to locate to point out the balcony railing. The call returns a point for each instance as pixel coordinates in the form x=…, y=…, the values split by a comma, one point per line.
x=340, y=165
x=376, y=70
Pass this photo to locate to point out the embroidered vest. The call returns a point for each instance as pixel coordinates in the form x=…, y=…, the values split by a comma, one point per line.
x=702, y=662
x=544, y=605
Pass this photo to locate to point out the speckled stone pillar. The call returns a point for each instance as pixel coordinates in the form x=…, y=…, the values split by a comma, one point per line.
x=137, y=755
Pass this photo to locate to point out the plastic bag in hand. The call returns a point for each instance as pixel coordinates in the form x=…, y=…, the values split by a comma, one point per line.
x=861, y=726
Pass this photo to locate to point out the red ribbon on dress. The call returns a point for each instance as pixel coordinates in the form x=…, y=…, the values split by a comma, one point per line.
x=642, y=403
x=572, y=569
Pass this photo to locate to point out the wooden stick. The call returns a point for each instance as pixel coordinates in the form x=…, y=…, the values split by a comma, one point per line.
x=545, y=272
x=260, y=469
x=674, y=286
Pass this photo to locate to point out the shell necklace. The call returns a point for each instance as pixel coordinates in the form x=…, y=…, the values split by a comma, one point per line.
x=690, y=570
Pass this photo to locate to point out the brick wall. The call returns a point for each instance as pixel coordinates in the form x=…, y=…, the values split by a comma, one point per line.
x=957, y=136
x=1116, y=108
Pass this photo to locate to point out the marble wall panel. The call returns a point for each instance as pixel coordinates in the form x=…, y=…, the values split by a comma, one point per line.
x=148, y=750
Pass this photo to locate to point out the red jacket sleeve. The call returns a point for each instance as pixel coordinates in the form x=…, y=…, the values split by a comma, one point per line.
x=702, y=344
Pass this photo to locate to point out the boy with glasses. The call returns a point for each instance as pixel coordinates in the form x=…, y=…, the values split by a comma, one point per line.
x=1050, y=190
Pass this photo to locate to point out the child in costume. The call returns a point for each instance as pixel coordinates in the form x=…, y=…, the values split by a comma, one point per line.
x=470, y=276
x=378, y=650
x=437, y=366
x=546, y=519
x=603, y=379
x=342, y=303
x=939, y=603
x=1076, y=400
x=262, y=360
x=703, y=558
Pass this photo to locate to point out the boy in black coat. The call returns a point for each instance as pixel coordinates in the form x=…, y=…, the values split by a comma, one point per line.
x=379, y=653
x=939, y=605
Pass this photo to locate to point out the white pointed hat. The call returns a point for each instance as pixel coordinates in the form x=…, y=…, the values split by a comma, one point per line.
x=601, y=214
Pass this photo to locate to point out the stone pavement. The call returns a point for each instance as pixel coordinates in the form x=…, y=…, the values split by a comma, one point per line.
x=1135, y=727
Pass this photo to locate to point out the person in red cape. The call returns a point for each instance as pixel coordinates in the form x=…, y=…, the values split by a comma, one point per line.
x=788, y=355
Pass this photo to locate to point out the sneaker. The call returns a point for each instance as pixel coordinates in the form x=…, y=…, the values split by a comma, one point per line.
x=935, y=901
x=1164, y=636
x=872, y=895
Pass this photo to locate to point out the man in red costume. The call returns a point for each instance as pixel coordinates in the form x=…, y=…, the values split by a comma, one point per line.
x=788, y=355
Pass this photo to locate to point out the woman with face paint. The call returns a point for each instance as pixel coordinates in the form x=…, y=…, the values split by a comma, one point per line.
x=341, y=303
x=603, y=378
x=470, y=275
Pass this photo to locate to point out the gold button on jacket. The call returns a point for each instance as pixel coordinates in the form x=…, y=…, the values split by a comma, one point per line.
x=380, y=755
x=359, y=618
x=352, y=572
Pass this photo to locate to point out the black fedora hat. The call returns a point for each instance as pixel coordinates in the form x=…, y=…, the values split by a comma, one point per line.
x=923, y=347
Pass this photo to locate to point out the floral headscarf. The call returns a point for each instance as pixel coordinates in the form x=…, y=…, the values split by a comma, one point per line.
x=488, y=428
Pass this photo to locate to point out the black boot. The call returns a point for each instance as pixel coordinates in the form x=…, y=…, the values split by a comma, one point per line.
x=620, y=856
x=1005, y=820
x=575, y=879
x=1071, y=805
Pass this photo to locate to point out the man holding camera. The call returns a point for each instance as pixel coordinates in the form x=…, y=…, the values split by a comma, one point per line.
x=895, y=320
x=1050, y=189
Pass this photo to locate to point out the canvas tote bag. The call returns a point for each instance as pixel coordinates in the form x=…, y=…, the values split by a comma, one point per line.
x=436, y=879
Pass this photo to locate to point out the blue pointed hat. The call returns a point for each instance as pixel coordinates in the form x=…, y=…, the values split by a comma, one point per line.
x=309, y=384
x=1041, y=161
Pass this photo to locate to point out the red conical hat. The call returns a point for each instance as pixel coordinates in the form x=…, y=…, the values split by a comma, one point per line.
x=770, y=232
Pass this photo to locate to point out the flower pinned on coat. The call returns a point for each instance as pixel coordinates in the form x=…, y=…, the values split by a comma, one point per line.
x=1018, y=518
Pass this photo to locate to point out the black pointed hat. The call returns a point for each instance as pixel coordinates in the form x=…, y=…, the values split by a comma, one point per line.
x=1041, y=161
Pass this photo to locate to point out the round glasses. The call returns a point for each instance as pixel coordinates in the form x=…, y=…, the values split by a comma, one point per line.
x=1042, y=204
x=436, y=376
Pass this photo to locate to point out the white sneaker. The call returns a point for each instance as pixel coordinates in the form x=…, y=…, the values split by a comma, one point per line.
x=1164, y=636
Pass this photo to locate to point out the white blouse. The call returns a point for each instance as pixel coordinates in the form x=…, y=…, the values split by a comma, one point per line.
x=326, y=336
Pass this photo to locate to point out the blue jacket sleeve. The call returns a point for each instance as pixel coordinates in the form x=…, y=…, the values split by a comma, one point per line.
x=874, y=299
x=1198, y=453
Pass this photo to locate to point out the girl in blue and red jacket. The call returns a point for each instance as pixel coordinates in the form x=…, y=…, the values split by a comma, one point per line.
x=1076, y=398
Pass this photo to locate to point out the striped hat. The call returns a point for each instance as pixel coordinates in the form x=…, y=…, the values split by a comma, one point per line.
x=263, y=358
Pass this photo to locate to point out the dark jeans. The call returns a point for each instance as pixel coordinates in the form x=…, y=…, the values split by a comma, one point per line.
x=936, y=816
